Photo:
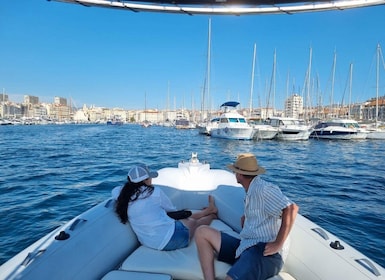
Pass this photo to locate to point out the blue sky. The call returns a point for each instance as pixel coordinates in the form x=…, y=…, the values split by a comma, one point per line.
x=114, y=58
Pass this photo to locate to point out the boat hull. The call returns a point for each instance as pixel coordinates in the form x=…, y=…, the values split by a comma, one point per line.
x=293, y=134
x=338, y=135
x=339, y=129
x=264, y=132
x=233, y=133
x=376, y=135
x=98, y=244
x=290, y=129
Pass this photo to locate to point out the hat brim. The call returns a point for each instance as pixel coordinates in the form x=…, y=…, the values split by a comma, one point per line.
x=259, y=171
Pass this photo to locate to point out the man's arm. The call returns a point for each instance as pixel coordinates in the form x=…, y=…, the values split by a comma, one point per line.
x=288, y=218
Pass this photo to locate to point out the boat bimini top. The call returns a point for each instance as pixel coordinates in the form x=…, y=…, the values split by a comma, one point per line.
x=228, y=7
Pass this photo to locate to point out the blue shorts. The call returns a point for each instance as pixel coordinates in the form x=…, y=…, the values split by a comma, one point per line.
x=251, y=264
x=180, y=238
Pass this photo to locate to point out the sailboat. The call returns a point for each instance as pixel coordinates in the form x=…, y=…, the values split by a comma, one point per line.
x=262, y=131
x=204, y=127
x=145, y=123
x=375, y=131
x=339, y=129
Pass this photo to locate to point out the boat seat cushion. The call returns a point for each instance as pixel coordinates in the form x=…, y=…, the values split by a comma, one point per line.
x=122, y=275
x=282, y=276
x=180, y=264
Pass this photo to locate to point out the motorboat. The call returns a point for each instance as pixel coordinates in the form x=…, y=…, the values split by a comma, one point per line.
x=339, y=129
x=146, y=124
x=263, y=131
x=290, y=128
x=376, y=134
x=375, y=131
x=205, y=127
x=115, y=120
x=96, y=245
x=232, y=125
x=183, y=121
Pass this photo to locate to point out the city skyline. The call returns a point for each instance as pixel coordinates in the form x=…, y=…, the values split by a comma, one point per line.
x=113, y=58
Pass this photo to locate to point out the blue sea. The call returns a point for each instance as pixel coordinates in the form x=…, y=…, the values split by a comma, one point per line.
x=51, y=173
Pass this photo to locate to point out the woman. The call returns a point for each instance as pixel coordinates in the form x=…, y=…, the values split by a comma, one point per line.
x=146, y=207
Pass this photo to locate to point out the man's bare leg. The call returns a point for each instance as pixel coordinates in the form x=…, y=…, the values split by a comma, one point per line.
x=208, y=241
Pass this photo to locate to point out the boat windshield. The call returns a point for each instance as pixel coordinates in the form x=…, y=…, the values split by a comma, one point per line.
x=236, y=120
x=351, y=125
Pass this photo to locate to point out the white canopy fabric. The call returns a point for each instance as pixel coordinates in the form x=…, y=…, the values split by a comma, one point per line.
x=228, y=7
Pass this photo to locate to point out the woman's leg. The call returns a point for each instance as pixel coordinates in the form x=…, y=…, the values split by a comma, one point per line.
x=203, y=217
x=210, y=209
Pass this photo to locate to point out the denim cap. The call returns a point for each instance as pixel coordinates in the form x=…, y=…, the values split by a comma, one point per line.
x=140, y=173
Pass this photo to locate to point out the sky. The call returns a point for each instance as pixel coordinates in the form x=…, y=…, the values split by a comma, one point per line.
x=121, y=59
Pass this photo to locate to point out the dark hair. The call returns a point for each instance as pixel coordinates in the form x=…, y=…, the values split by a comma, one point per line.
x=129, y=193
x=250, y=177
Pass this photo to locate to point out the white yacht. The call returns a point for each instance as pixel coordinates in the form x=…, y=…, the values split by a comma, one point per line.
x=290, y=128
x=263, y=131
x=232, y=125
x=339, y=129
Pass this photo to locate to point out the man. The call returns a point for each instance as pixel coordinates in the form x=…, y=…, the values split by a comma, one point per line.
x=268, y=218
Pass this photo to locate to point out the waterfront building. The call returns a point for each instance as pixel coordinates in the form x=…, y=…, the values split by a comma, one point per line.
x=80, y=116
x=4, y=97
x=10, y=110
x=59, y=110
x=294, y=106
x=60, y=101
x=261, y=113
x=370, y=110
x=357, y=111
x=29, y=99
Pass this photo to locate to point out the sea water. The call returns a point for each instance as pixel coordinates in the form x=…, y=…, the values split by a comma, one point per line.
x=51, y=173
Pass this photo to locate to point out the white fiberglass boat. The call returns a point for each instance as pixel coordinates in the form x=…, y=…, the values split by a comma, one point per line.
x=232, y=125
x=290, y=128
x=376, y=134
x=339, y=129
x=376, y=131
x=205, y=127
x=96, y=245
x=263, y=131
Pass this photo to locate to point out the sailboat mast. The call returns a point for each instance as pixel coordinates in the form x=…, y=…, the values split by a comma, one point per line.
x=252, y=81
x=350, y=87
x=208, y=65
x=274, y=73
x=206, y=96
x=307, y=99
x=377, y=79
x=333, y=76
x=145, y=106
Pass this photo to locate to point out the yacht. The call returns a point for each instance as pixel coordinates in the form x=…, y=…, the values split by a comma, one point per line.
x=339, y=129
x=290, y=128
x=232, y=125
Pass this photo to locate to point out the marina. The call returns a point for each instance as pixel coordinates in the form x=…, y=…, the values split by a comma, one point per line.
x=51, y=174
x=62, y=161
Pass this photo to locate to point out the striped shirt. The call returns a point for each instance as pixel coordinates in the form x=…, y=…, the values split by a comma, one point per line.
x=264, y=203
